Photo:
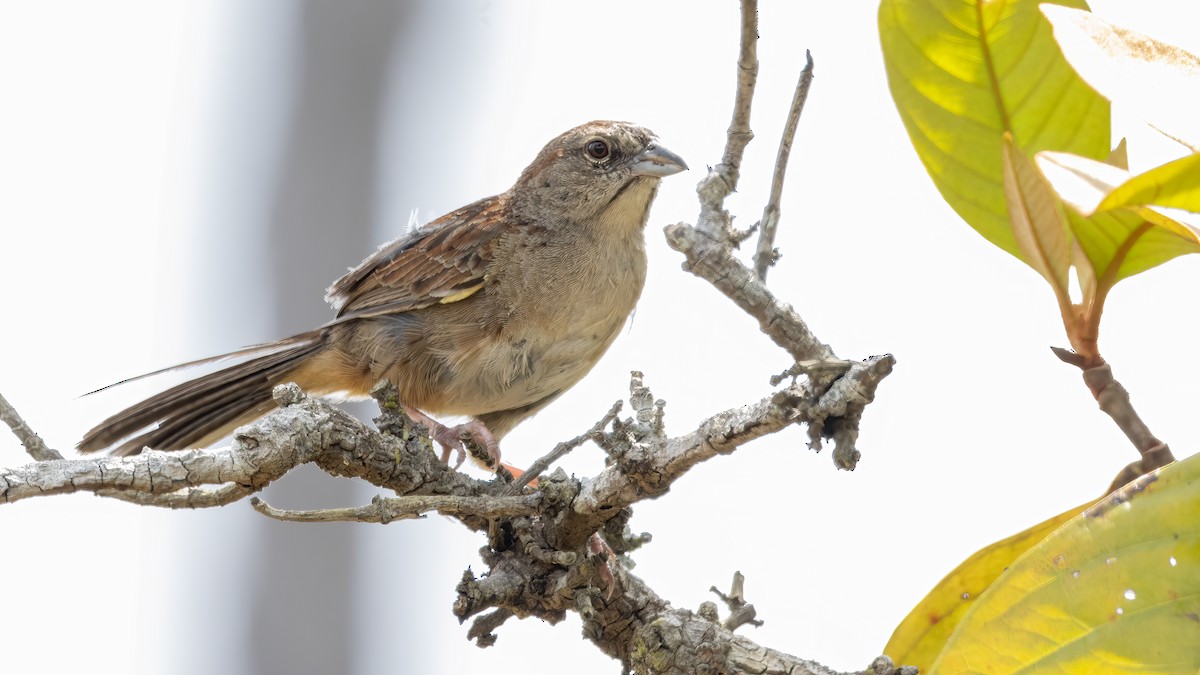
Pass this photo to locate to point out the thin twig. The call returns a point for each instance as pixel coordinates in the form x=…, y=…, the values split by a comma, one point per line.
x=33, y=443
x=561, y=450
x=814, y=368
x=387, y=509
x=739, y=134
x=766, y=255
x=191, y=498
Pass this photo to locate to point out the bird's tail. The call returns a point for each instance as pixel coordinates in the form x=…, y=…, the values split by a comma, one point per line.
x=206, y=408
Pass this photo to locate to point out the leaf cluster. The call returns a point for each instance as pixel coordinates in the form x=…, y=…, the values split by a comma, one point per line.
x=1008, y=107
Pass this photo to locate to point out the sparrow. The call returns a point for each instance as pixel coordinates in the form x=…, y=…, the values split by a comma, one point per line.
x=490, y=312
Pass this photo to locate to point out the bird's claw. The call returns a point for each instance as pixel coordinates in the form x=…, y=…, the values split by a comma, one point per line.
x=455, y=439
x=600, y=548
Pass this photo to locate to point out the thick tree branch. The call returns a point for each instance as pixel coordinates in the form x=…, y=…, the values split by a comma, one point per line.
x=561, y=450
x=636, y=626
x=539, y=562
x=709, y=245
x=713, y=261
x=647, y=463
x=143, y=479
x=303, y=430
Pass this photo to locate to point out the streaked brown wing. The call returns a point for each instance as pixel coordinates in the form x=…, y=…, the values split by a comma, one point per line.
x=443, y=261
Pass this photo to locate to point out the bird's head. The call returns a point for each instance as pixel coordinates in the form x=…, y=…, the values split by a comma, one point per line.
x=592, y=168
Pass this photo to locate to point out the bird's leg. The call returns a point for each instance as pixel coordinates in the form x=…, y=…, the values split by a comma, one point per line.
x=482, y=436
x=451, y=438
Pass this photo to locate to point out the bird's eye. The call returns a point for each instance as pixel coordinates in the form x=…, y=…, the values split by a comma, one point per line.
x=596, y=149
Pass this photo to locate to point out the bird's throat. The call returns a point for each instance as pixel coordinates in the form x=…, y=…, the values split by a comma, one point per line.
x=628, y=211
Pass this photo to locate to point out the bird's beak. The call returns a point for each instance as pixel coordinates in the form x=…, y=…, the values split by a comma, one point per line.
x=657, y=161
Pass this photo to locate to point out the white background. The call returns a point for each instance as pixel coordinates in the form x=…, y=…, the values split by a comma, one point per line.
x=115, y=158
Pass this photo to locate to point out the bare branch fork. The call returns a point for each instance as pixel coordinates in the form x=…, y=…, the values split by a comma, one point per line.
x=542, y=559
x=709, y=246
x=33, y=443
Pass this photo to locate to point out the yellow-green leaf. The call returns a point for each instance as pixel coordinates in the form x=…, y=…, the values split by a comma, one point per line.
x=1036, y=220
x=922, y=634
x=1124, y=242
x=1174, y=184
x=1119, y=242
x=964, y=73
x=1156, y=79
x=1115, y=590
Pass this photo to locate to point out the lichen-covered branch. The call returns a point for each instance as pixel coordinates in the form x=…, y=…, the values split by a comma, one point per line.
x=647, y=462
x=542, y=560
x=304, y=430
x=713, y=260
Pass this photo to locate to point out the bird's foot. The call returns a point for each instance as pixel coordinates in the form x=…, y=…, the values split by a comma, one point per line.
x=453, y=439
x=600, y=548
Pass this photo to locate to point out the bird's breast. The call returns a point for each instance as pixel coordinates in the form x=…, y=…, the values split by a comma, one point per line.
x=554, y=300
x=553, y=316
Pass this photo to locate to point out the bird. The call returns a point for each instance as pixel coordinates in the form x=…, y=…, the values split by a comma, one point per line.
x=491, y=311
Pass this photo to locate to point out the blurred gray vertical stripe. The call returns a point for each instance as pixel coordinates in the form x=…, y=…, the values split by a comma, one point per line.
x=331, y=126
x=322, y=220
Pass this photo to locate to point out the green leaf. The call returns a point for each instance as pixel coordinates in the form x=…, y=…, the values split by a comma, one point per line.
x=964, y=73
x=1037, y=223
x=1125, y=242
x=1157, y=79
x=1120, y=242
x=1115, y=590
x=1174, y=184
